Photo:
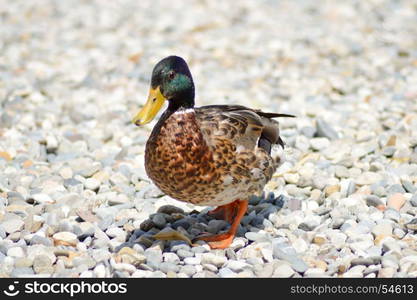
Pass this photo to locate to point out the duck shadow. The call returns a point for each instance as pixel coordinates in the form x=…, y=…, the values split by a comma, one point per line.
x=196, y=223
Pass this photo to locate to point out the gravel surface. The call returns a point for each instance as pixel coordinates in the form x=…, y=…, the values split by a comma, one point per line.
x=75, y=200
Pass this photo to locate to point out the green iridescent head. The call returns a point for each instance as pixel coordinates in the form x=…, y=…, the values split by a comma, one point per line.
x=172, y=81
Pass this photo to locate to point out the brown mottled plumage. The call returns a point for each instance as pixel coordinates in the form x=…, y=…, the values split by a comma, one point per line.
x=217, y=155
x=210, y=155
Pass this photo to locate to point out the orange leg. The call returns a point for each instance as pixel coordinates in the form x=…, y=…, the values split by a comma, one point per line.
x=223, y=240
x=226, y=212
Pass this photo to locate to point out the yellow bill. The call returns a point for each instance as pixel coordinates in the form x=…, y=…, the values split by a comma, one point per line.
x=151, y=108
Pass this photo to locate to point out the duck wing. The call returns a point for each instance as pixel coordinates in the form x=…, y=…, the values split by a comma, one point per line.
x=245, y=127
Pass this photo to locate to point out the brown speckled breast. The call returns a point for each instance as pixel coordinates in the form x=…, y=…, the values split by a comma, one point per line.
x=208, y=158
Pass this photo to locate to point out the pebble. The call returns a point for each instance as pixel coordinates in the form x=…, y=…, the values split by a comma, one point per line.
x=167, y=267
x=216, y=260
x=372, y=200
x=283, y=270
x=188, y=270
x=92, y=184
x=15, y=252
x=227, y=273
x=73, y=186
x=324, y=129
x=65, y=238
x=153, y=257
x=392, y=214
x=413, y=200
x=159, y=220
x=12, y=225
x=42, y=264
x=42, y=198
x=236, y=266
x=382, y=229
x=396, y=201
x=319, y=143
x=386, y=272
x=170, y=257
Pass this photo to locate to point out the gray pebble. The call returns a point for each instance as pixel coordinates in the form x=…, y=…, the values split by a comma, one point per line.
x=168, y=267
x=308, y=225
x=308, y=131
x=389, y=261
x=12, y=225
x=2, y=232
x=182, y=253
x=395, y=188
x=392, y=214
x=170, y=209
x=170, y=257
x=192, y=260
x=236, y=265
x=409, y=187
x=42, y=264
x=215, y=226
x=285, y=252
x=216, y=260
x=388, y=151
x=189, y=270
x=227, y=273
x=413, y=200
x=366, y=261
x=372, y=200
x=184, y=223
x=71, y=182
x=153, y=257
x=159, y=220
x=390, y=245
x=199, y=249
x=22, y=272
x=37, y=239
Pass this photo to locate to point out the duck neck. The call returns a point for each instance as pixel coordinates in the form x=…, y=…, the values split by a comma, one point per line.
x=184, y=100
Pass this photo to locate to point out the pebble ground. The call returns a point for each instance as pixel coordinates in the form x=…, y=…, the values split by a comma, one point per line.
x=75, y=200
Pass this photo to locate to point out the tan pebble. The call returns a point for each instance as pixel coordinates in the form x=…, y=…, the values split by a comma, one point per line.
x=386, y=272
x=27, y=164
x=379, y=239
x=330, y=189
x=5, y=155
x=342, y=269
x=130, y=256
x=101, y=176
x=171, y=274
x=321, y=264
x=65, y=238
x=315, y=194
x=396, y=201
x=364, y=190
x=127, y=250
x=392, y=140
x=319, y=240
x=291, y=178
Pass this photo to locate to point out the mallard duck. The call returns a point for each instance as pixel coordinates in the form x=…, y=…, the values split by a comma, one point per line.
x=216, y=155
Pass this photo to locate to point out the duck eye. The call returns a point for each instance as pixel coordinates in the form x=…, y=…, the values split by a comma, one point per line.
x=171, y=75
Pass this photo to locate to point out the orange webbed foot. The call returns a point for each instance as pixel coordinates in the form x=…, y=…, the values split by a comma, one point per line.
x=226, y=212
x=234, y=213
